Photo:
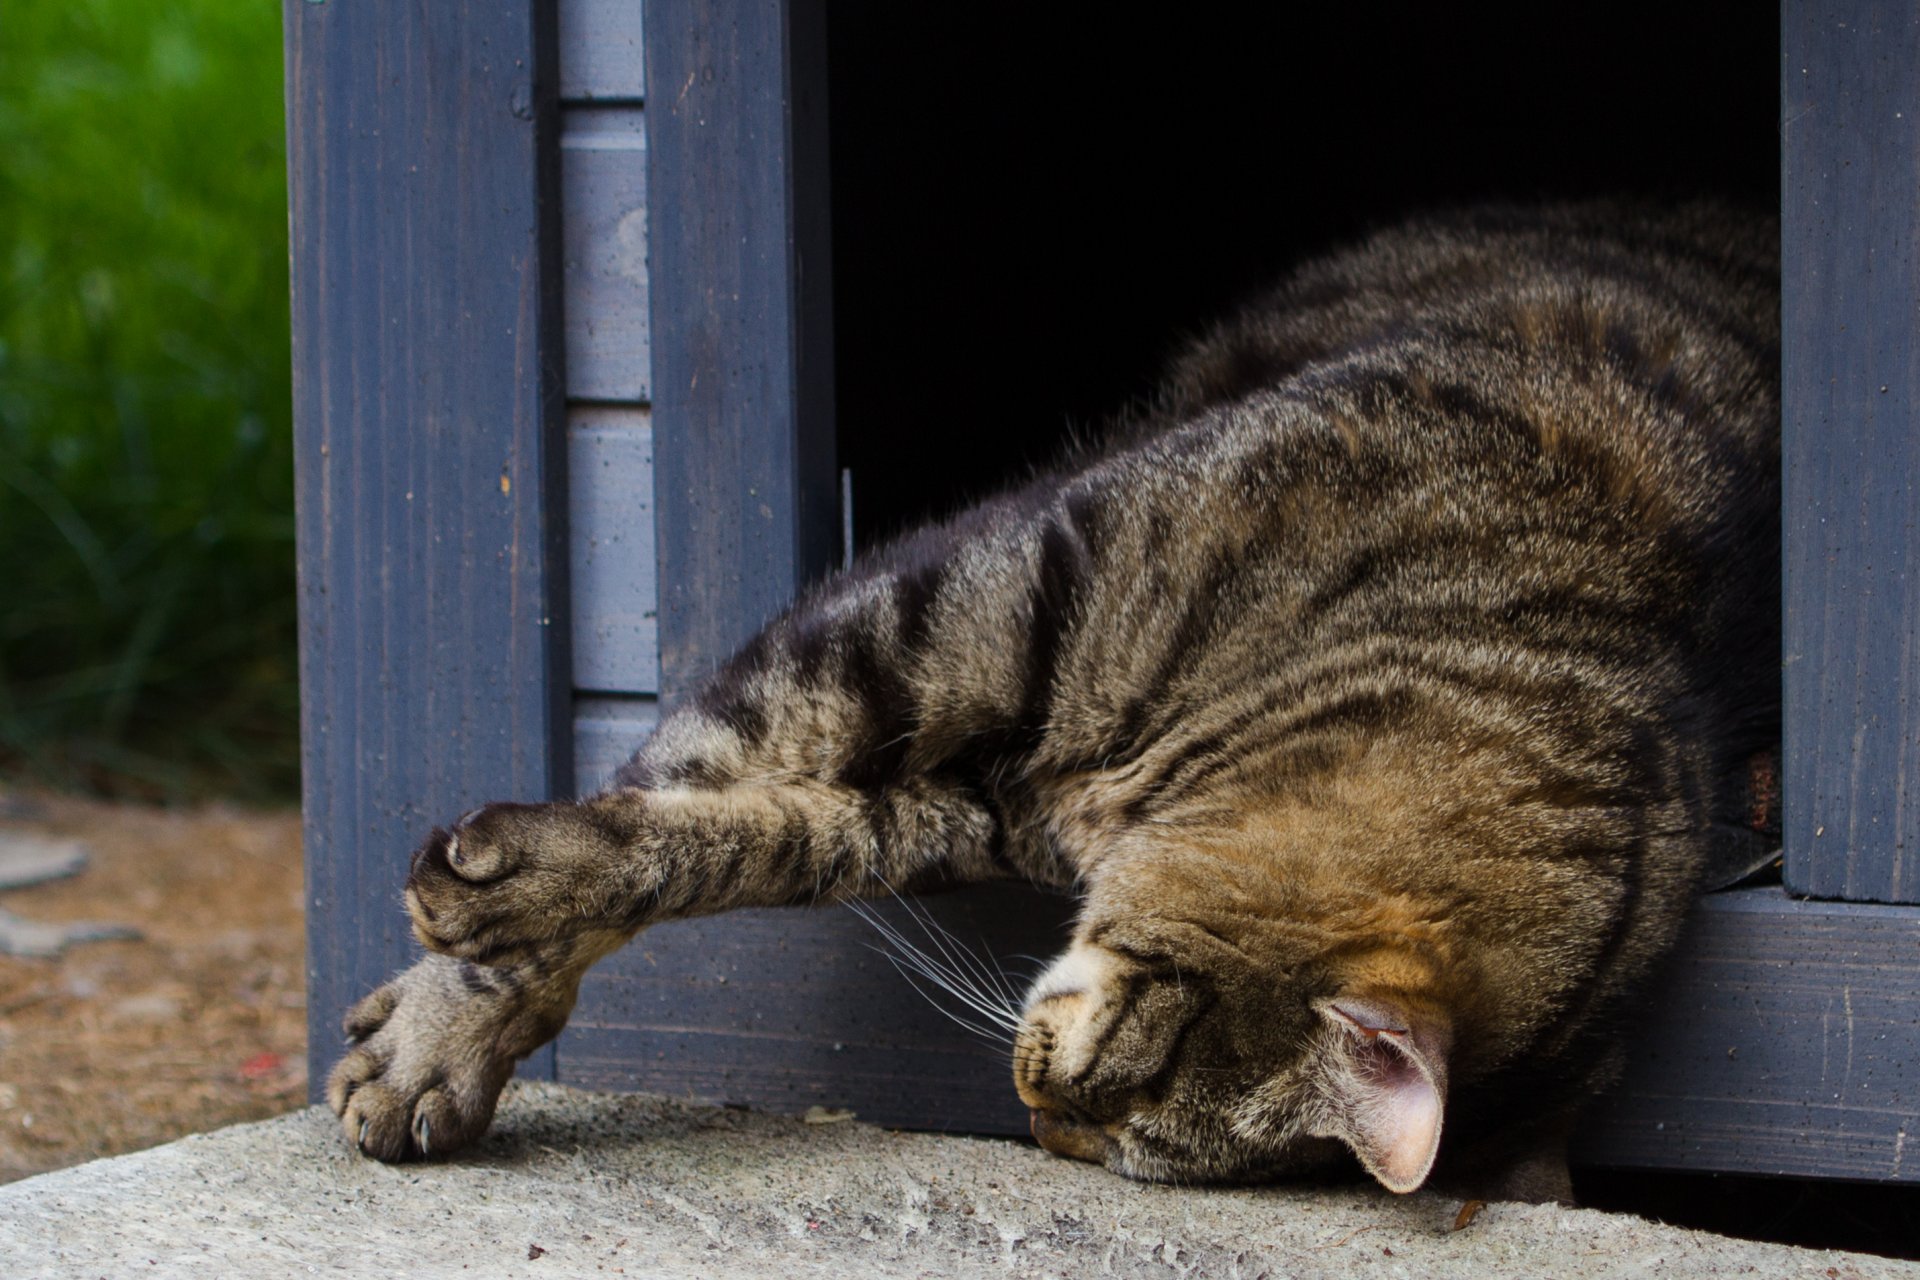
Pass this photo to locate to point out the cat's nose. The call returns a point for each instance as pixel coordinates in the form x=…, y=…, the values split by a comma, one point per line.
x=1071, y=1138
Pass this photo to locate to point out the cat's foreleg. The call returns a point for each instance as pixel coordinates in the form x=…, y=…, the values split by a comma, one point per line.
x=850, y=751
x=510, y=877
x=522, y=899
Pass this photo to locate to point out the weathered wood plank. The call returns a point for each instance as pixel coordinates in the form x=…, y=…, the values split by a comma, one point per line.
x=787, y=1009
x=610, y=466
x=602, y=54
x=1850, y=223
x=744, y=475
x=604, y=192
x=1785, y=1041
x=606, y=733
x=430, y=473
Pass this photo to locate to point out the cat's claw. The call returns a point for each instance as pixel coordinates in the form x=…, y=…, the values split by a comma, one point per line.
x=427, y=1060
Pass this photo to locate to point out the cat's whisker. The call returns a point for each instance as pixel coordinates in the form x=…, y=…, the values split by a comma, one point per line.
x=984, y=983
x=938, y=935
x=913, y=973
x=986, y=1033
x=1004, y=984
x=962, y=964
x=948, y=972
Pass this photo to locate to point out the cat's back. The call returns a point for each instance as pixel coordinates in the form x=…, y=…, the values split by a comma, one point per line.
x=1496, y=399
x=1498, y=463
x=1684, y=300
x=1542, y=439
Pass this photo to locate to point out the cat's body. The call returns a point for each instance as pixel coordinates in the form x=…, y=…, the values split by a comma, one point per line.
x=1386, y=693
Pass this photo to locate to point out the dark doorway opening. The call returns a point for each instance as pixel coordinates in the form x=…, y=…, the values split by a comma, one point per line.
x=1034, y=204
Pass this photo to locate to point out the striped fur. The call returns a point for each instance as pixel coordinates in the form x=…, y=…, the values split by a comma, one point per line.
x=1385, y=691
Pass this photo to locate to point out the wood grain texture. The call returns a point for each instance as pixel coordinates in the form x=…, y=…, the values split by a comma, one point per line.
x=610, y=470
x=744, y=475
x=602, y=52
x=606, y=733
x=1850, y=222
x=428, y=436
x=1786, y=1040
x=789, y=1009
x=604, y=198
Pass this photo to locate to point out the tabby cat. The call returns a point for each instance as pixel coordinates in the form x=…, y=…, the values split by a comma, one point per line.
x=1384, y=692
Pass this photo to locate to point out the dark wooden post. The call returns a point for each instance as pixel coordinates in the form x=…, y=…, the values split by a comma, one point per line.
x=743, y=454
x=1850, y=224
x=430, y=450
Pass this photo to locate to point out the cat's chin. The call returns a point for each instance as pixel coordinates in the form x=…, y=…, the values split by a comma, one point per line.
x=1063, y=1135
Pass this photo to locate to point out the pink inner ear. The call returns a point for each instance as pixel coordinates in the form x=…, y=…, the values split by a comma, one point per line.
x=1398, y=1114
x=1396, y=1100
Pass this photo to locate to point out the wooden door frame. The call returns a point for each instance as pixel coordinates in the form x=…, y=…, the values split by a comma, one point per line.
x=429, y=442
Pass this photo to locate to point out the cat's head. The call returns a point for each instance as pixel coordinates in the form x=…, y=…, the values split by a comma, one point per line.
x=1198, y=1029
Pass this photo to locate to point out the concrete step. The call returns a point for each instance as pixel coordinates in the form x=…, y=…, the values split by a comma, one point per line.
x=577, y=1184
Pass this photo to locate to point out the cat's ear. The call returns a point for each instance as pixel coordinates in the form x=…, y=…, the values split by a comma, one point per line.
x=1383, y=1077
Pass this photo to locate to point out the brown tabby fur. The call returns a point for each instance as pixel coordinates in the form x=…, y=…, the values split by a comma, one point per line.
x=1384, y=693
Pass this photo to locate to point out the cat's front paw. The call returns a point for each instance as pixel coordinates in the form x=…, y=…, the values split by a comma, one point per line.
x=508, y=876
x=429, y=1053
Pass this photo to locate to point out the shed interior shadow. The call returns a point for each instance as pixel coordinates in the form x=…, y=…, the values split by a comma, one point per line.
x=1033, y=206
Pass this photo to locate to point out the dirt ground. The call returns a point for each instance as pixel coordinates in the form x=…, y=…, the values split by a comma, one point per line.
x=115, y=1046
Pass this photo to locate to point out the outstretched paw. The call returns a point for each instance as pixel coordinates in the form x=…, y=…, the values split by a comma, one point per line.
x=431, y=1050
x=508, y=876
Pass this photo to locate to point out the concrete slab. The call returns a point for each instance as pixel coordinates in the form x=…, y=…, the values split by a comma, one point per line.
x=575, y=1184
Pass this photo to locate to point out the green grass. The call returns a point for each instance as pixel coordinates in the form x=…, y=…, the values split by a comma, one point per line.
x=146, y=497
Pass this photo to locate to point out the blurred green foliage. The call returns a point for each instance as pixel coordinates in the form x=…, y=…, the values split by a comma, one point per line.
x=146, y=490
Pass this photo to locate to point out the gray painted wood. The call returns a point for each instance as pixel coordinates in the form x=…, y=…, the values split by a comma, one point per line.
x=789, y=1009
x=606, y=733
x=1850, y=221
x=744, y=474
x=602, y=55
x=1785, y=1041
x=610, y=469
x=604, y=198
x=428, y=424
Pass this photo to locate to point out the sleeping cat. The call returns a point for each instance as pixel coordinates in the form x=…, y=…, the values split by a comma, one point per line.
x=1385, y=693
